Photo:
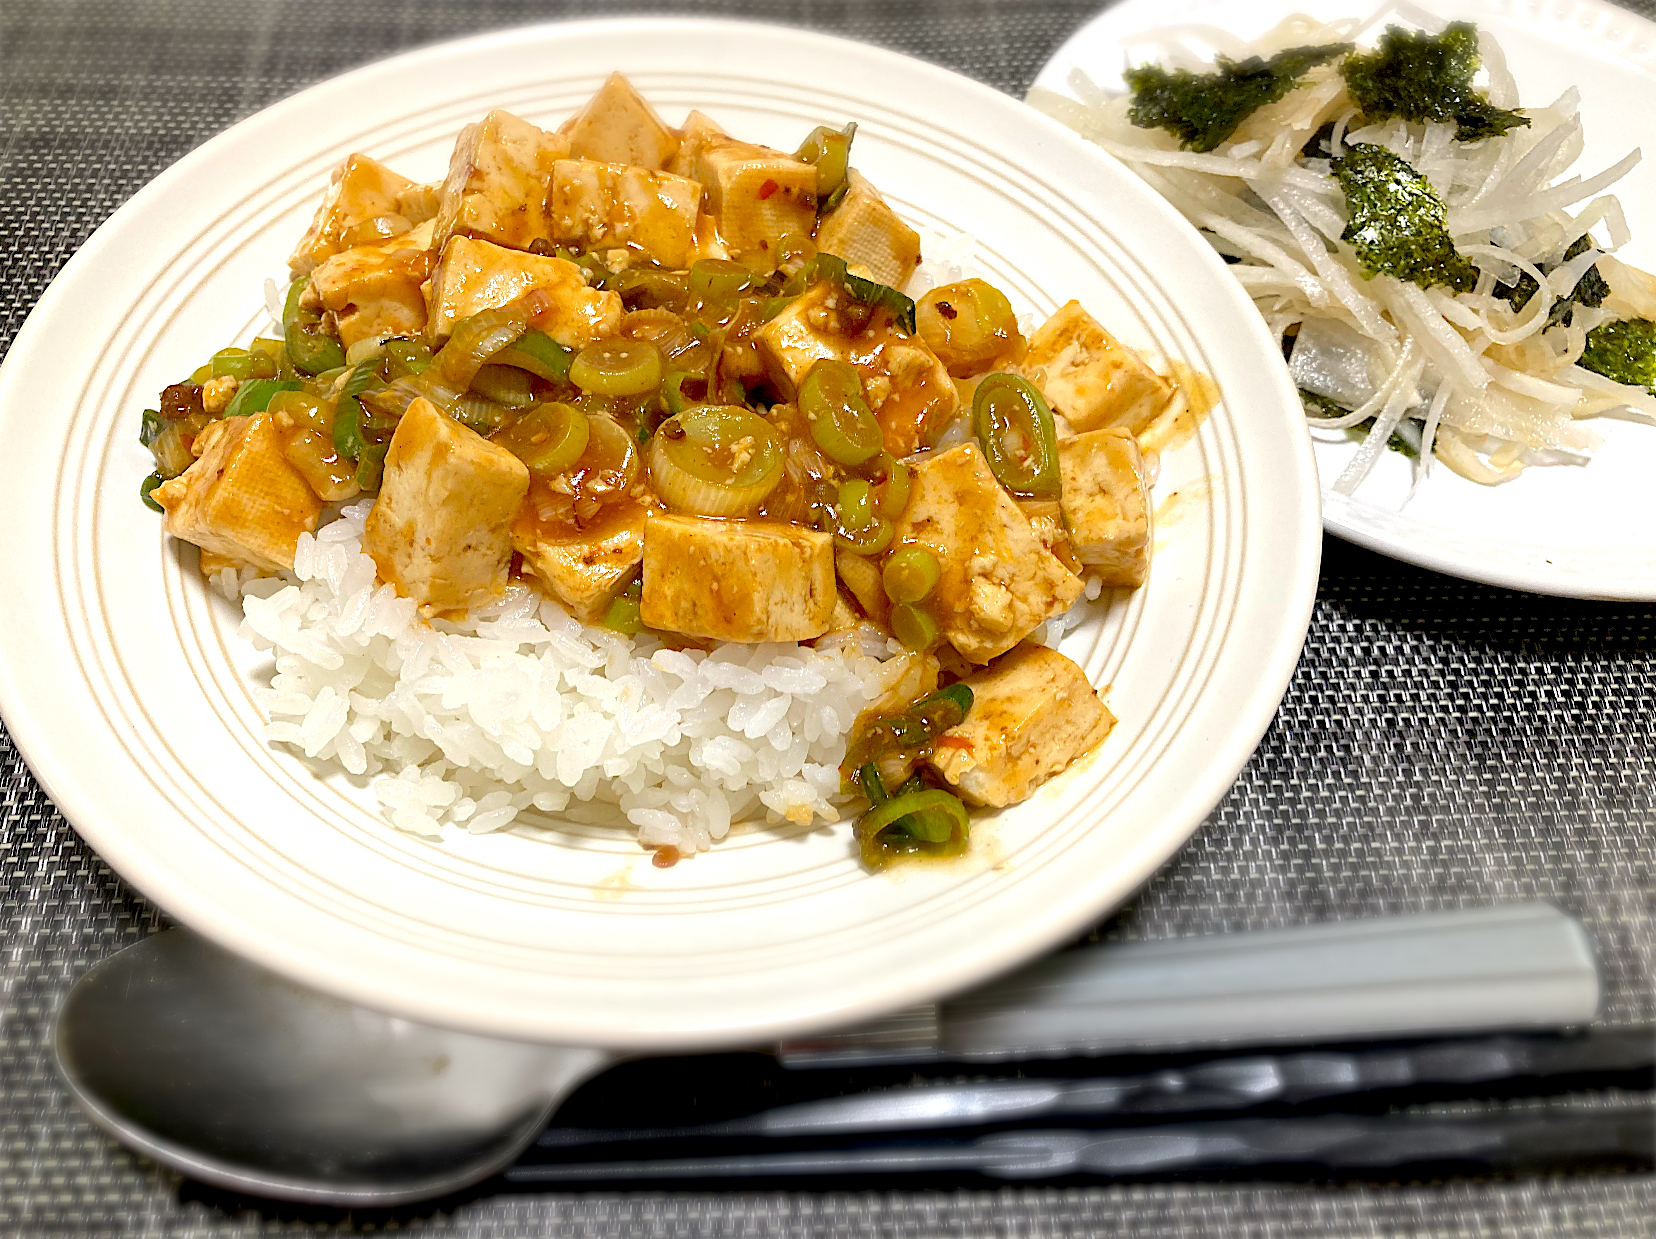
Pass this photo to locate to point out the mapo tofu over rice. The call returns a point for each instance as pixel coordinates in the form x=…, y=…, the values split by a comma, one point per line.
x=616, y=474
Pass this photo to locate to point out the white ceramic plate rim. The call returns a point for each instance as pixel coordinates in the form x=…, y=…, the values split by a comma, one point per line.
x=1471, y=555
x=46, y=741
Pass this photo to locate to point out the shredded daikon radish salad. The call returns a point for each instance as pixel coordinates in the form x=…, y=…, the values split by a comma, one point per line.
x=1404, y=228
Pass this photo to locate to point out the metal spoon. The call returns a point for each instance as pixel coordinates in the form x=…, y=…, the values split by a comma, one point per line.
x=238, y=1078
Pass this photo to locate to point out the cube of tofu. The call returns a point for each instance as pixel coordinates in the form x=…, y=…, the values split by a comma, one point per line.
x=1033, y=713
x=603, y=204
x=497, y=179
x=419, y=203
x=359, y=190
x=846, y=613
x=866, y=232
x=241, y=499
x=697, y=131
x=1092, y=378
x=440, y=530
x=757, y=196
x=587, y=570
x=748, y=581
x=906, y=386
x=998, y=581
x=374, y=290
x=1106, y=502
x=475, y=275
x=619, y=126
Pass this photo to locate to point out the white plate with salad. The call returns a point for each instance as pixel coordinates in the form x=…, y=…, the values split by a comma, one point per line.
x=1521, y=489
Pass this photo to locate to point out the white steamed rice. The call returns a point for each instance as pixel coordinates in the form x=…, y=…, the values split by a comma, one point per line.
x=522, y=707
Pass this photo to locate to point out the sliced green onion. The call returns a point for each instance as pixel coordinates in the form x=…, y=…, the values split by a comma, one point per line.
x=403, y=357
x=477, y=339
x=1015, y=428
x=611, y=457
x=505, y=385
x=548, y=438
x=479, y=413
x=856, y=504
x=931, y=801
x=869, y=540
x=624, y=616
x=348, y=439
x=910, y=574
x=942, y=710
x=719, y=279
x=650, y=288
x=968, y=325
x=873, y=787
x=618, y=367
x=539, y=354
x=673, y=398
x=870, y=292
x=232, y=363
x=144, y=489
x=715, y=460
x=254, y=395
x=309, y=348
x=838, y=417
x=893, y=492
x=150, y=428
x=914, y=626
x=830, y=151
x=371, y=466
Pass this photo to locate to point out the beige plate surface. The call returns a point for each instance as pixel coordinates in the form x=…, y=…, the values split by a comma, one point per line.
x=125, y=686
x=1578, y=531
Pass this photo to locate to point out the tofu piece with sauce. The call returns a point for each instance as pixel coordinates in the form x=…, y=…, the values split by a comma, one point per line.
x=359, y=190
x=440, y=529
x=586, y=570
x=476, y=275
x=618, y=125
x=723, y=580
x=907, y=387
x=605, y=204
x=867, y=233
x=757, y=196
x=1033, y=713
x=1090, y=377
x=496, y=184
x=374, y=290
x=998, y=581
x=697, y=131
x=1106, y=504
x=241, y=499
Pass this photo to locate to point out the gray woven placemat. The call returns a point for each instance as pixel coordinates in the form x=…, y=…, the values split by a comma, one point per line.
x=1442, y=744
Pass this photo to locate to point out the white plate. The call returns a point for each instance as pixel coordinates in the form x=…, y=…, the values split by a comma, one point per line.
x=125, y=686
x=1578, y=531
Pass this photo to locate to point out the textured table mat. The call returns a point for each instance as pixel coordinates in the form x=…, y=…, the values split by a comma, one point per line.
x=1441, y=745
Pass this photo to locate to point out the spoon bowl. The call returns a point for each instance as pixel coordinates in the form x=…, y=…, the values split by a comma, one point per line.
x=239, y=1078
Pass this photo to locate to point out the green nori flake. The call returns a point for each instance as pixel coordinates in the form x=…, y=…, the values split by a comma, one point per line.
x=1624, y=351
x=1397, y=221
x=1590, y=289
x=1203, y=109
x=1425, y=77
x=1316, y=146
